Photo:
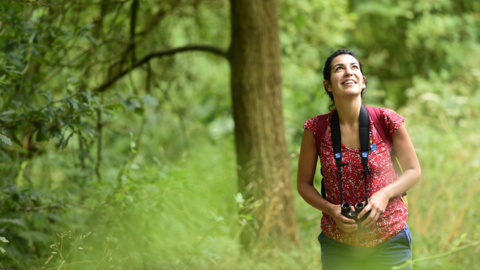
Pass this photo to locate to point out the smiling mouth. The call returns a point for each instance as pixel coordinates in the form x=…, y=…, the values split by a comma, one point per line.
x=349, y=82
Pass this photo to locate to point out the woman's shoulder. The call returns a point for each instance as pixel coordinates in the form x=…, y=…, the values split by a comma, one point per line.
x=381, y=110
x=386, y=112
x=312, y=123
x=391, y=119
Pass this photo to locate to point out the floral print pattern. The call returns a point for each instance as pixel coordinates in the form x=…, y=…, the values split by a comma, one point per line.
x=393, y=220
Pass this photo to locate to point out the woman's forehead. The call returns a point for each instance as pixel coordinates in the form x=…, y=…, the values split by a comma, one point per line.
x=345, y=59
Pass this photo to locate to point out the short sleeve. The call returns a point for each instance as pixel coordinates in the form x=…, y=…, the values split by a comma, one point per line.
x=391, y=119
x=311, y=124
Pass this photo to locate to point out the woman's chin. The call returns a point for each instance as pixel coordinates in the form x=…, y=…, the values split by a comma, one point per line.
x=351, y=94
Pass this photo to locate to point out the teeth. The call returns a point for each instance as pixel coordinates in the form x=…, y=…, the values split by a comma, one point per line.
x=348, y=82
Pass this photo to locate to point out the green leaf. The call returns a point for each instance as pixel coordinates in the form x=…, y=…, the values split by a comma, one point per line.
x=72, y=103
x=458, y=241
x=217, y=218
x=41, y=132
x=3, y=239
x=88, y=96
x=150, y=100
x=239, y=198
x=93, y=40
x=257, y=204
x=2, y=250
x=119, y=197
x=134, y=166
x=247, y=217
x=55, y=131
x=5, y=139
x=132, y=103
x=2, y=86
x=87, y=26
x=115, y=107
x=12, y=221
x=48, y=95
x=139, y=111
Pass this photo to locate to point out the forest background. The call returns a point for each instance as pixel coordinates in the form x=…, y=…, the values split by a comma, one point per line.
x=122, y=134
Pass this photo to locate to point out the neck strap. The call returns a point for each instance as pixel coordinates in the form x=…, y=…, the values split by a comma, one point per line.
x=364, y=127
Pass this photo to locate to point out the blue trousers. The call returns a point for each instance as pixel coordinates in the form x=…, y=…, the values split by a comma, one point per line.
x=394, y=252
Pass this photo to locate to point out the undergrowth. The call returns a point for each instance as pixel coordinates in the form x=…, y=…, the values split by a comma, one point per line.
x=185, y=215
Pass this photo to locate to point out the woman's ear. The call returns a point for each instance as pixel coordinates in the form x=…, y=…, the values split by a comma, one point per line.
x=326, y=85
x=364, y=82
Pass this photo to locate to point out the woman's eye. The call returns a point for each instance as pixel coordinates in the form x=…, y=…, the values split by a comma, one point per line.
x=338, y=68
x=355, y=67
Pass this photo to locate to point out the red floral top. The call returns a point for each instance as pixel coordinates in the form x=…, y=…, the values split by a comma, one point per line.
x=383, y=173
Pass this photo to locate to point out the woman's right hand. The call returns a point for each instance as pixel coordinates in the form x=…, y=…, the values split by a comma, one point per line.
x=343, y=223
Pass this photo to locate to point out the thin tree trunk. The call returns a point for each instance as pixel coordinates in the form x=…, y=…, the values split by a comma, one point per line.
x=263, y=162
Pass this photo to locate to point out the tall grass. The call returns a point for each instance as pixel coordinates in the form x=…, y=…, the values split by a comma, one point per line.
x=442, y=205
x=183, y=214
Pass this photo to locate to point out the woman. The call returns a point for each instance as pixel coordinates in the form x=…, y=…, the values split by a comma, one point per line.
x=386, y=241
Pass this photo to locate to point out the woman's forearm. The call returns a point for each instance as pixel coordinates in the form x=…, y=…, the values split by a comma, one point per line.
x=403, y=183
x=312, y=197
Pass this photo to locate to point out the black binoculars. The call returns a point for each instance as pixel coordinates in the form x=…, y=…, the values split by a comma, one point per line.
x=349, y=213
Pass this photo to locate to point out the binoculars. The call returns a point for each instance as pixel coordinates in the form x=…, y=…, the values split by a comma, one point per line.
x=349, y=213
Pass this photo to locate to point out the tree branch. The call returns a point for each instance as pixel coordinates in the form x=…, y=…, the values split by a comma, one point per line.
x=159, y=54
x=68, y=63
x=133, y=23
x=99, y=144
x=27, y=1
x=29, y=209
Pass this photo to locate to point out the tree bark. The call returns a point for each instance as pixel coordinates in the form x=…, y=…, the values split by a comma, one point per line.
x=263, y=162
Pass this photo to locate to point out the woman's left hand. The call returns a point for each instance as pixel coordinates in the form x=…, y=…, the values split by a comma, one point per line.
x=376, y=204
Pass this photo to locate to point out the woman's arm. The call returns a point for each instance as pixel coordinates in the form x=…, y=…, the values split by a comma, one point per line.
x=307, y=164
x=410, y=176
x=408, y=160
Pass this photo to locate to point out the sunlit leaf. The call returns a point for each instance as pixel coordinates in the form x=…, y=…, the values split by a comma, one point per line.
x=5, y=139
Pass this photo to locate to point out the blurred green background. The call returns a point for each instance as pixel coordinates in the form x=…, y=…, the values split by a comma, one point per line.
x=157, y=189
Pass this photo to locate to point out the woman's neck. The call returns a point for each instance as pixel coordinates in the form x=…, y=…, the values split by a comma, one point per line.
x=349, y=111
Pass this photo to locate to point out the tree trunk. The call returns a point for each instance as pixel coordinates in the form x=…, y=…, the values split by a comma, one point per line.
x=263, y=162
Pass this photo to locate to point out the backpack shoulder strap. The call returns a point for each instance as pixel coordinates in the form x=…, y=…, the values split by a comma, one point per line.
x=321, y=129
x=380, y=126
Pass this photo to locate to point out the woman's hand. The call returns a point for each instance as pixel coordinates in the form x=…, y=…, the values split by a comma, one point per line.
x=376, y=204
x=343, y=223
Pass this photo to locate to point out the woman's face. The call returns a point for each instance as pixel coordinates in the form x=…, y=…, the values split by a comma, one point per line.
x=346, y=79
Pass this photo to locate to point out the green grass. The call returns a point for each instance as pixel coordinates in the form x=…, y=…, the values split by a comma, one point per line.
x=183, y=214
